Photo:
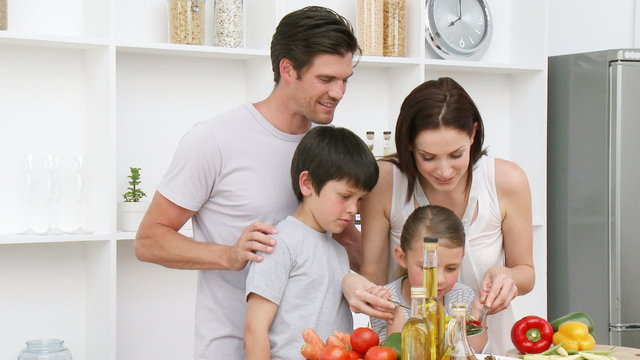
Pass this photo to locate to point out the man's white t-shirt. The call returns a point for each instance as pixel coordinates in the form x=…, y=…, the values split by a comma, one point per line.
x=232, y=170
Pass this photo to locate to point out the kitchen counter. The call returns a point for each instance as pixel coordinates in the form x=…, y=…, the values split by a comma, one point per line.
x=619, y=352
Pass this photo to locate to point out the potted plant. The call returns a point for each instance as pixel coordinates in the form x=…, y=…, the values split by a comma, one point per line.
x=132, y=209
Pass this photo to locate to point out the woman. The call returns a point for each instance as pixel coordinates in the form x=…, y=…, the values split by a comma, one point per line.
x=441, y=161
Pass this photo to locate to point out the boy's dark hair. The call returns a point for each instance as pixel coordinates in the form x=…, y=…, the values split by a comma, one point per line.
x=305, y=33
x=333, y=153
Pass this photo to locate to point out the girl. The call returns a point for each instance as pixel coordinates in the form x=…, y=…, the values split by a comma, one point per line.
x=442, y=223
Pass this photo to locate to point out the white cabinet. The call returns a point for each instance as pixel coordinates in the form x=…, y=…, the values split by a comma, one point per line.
x=97, y=78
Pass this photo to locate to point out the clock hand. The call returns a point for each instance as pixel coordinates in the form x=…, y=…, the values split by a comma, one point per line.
x=459, y=14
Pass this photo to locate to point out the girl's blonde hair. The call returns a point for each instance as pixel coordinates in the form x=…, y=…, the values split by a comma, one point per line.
x=431, y=220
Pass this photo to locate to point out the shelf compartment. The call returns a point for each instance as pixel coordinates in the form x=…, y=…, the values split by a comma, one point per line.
x=149, y=298
x=55, y=102
x=60, y=290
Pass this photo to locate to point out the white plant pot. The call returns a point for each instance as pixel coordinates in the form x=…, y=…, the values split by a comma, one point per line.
x=130, y=215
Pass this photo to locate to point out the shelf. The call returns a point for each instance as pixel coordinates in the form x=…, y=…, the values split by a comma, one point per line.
x=6, y=239
x=51, y=41
x=191, y=50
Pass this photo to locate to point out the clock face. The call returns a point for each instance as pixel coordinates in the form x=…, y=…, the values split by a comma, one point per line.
x=458, y=28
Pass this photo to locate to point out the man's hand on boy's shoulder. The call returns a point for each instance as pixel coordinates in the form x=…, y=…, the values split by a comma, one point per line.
x=254, y=238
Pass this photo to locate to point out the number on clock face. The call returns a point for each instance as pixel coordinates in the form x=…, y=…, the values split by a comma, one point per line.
x=459, y=24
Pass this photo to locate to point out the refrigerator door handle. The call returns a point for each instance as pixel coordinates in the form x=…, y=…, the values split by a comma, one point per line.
x=625, y=327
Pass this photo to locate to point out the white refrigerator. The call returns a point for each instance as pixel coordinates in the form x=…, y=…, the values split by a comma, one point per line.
x=593, y=198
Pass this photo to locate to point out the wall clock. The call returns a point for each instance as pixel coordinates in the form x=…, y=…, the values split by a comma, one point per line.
x=458, y=29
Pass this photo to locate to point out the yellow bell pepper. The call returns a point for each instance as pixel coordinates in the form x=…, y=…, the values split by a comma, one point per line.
x=574, y=335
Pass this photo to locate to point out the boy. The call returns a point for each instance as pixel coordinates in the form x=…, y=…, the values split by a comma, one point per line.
x=299, y=286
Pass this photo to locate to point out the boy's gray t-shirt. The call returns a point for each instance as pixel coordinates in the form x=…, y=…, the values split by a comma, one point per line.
x=304, y=278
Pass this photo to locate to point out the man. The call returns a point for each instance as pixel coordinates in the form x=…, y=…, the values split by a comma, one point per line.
x=230, y=175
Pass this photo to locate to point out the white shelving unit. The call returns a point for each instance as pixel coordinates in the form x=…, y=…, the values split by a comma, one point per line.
x=98, y=78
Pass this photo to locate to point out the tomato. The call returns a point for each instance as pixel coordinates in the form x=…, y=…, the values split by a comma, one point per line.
x=334, y=352
x=364, y=338
x=381, y=353
x=354, y=355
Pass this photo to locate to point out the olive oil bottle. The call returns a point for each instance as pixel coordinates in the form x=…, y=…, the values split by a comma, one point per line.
x=434, y=310
x=457, y=345
x=415, y=331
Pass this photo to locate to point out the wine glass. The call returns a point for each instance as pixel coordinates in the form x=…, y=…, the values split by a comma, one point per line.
x=52, y=193
x=80, y=181
x=29, y=193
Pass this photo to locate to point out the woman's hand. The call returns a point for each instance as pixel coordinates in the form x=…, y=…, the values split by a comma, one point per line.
x=498, y=289
x=366, y=297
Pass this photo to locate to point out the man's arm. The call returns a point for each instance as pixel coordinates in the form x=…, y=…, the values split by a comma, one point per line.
x=260, y=314
x=350, y=239
x=158, y=241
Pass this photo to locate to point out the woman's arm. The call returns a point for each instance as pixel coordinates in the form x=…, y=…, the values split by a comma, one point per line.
x=501, y=284
x=260, y=314
x=374, y=213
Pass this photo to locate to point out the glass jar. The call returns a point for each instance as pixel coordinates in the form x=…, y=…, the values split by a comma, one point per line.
x=395, y=28
x=370, y=25
x=3, y=14
x=370, y=139
x=186, y=21
x=388, y=144
x=45, y=349
x=229, y=20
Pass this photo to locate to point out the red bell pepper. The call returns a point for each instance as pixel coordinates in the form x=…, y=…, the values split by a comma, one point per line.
x=532, y=335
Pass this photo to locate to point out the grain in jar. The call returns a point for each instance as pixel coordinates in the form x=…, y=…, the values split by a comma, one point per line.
x=395, y=28
x=229, y=20
x=3, y=15
x=186, y=21
x=370, y=25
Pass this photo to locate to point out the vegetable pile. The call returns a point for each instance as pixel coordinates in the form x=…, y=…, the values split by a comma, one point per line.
x=571, y=335
x=363, y=343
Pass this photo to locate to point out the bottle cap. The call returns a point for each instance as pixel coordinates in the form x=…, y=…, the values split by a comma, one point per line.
x=429, y=239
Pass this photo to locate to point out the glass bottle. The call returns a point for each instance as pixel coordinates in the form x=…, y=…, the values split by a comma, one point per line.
x=434, y=310
x=186, y=21
x=370, y=24
x=388, y=145
x=415, y=330
x=395, y=28
x=457, y=345
x=3, y=14
x=370, y=139
x=229, y=19
x=45, y=349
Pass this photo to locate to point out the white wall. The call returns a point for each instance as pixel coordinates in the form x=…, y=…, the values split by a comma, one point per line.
x=589, y=25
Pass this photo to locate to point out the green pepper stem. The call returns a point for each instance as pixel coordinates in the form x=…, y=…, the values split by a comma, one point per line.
x=533, y=335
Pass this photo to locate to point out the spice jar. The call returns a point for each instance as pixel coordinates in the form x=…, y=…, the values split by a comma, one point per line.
x=229, y=19
x=370, y=26
x=186, y=21
x=3, y=14
x=388, y=145
x=370, y=138
x=45, y=349
x=395, y=28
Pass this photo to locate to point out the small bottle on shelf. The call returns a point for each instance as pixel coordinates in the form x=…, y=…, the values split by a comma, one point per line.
x=415, y=331
x=388, y=144
x=370, y=139
x=186, y=21
x=229, y=20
